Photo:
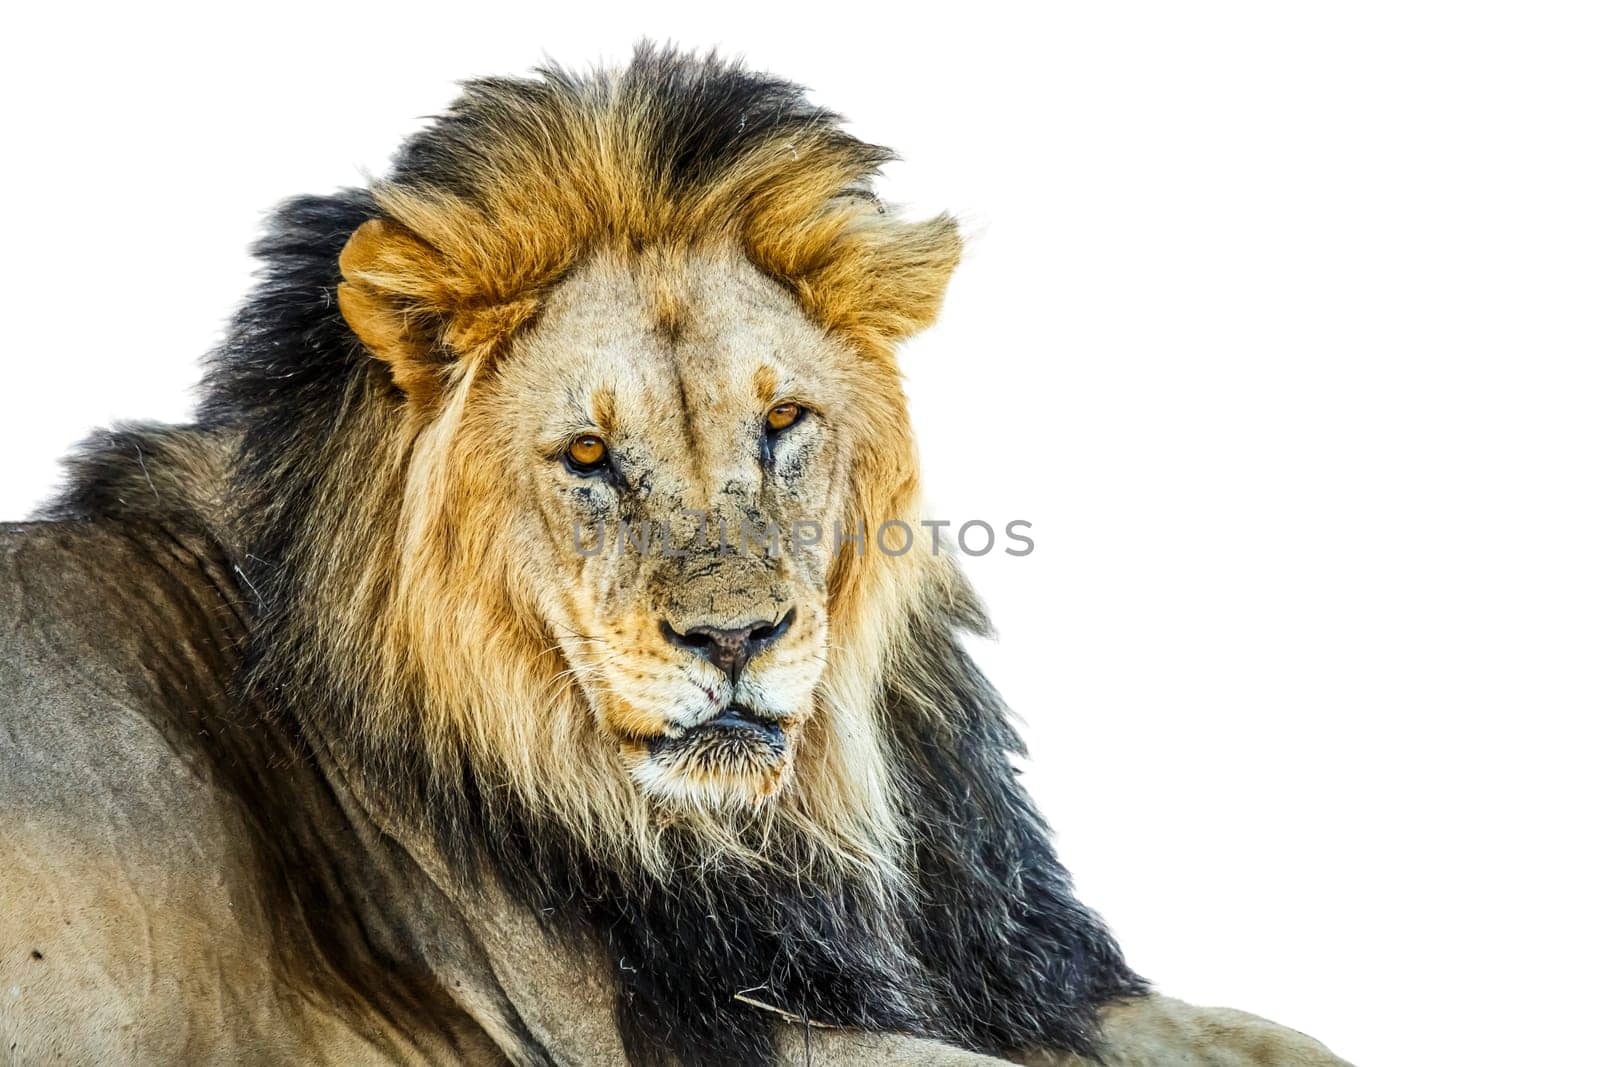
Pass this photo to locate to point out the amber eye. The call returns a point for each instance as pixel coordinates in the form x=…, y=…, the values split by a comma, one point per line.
x=587, y=453
x=783, y=416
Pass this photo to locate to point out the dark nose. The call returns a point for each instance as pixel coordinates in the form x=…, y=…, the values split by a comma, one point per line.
x=729, y=649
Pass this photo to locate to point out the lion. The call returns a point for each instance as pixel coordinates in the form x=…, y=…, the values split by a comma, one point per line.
x=333, y=733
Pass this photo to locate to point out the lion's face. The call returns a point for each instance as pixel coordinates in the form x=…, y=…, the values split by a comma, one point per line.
x=678, y=432
x=631, y=303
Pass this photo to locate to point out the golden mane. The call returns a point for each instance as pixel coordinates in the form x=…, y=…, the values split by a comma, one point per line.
x=523, y=179
x=511, y=192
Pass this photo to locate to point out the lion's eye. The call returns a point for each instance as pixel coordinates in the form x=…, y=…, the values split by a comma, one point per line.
x=586, y=454
x=783, y=416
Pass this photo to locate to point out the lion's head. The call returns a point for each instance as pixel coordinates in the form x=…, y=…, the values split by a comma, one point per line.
x=661, y=301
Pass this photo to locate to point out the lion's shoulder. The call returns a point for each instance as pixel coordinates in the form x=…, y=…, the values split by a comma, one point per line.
x=153, y=906
x=124, y=895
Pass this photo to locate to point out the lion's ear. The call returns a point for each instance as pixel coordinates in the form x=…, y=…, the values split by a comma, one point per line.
x=886, y=280
x=392, y=296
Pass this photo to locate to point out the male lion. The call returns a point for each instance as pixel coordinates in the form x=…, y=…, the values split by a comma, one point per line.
x=330, y=735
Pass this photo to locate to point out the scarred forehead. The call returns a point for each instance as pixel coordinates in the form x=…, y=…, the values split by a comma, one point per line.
x=693, y=346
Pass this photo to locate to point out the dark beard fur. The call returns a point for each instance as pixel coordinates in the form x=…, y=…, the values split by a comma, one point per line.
x=985, y=947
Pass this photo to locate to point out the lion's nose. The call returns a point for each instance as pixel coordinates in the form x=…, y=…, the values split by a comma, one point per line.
x=729, y=648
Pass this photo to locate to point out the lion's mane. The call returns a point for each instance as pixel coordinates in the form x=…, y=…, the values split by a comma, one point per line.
x=976, y=938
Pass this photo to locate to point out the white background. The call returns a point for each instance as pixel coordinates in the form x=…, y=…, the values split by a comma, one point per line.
x=1278, y=322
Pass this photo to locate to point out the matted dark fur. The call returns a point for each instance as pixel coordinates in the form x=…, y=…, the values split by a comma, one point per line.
x=985, y=946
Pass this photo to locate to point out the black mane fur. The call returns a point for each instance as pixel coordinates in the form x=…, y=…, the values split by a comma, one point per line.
x=989, y=949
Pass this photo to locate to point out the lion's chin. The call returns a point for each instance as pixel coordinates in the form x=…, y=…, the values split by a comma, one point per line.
x=736, y=760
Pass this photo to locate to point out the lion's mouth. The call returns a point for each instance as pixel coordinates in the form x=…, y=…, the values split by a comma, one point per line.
x=738, y=735
x=739, y=757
